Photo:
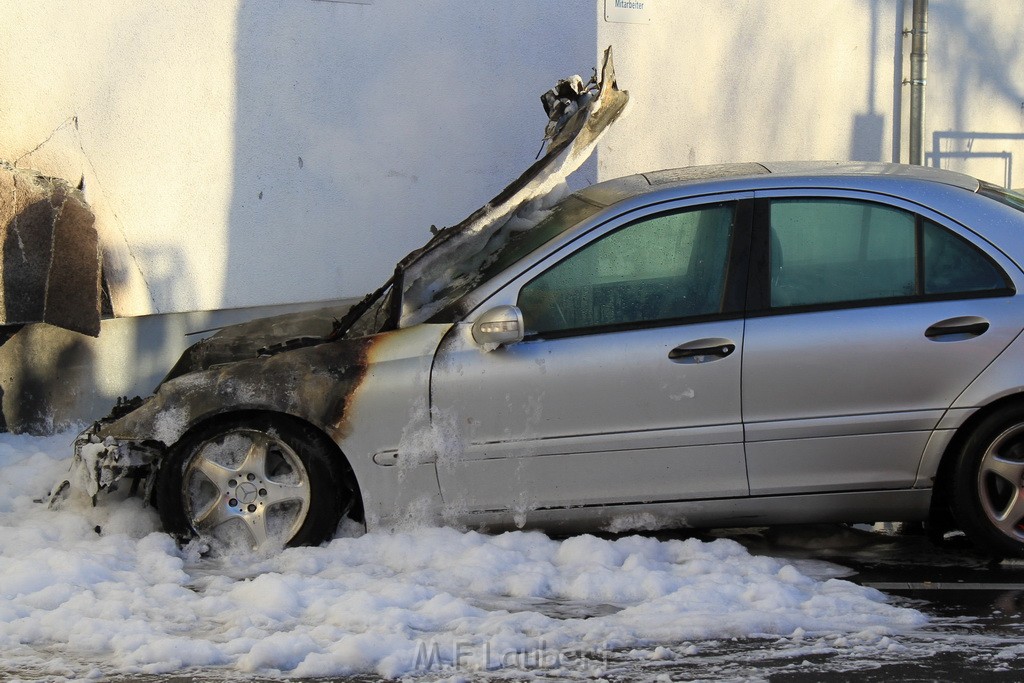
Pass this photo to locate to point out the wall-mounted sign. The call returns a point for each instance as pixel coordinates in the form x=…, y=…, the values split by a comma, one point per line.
x=628, y=11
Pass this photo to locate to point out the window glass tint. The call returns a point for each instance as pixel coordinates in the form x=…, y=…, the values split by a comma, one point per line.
x=662, y=268
x=825, y=251
x=831, y=251
x=951, y=265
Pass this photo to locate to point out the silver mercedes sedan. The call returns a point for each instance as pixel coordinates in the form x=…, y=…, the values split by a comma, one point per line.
x=735, y=345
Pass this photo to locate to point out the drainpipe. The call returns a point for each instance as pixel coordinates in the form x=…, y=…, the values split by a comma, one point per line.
x=918, y=74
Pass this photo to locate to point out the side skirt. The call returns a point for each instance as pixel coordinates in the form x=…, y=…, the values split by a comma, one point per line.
x=908, y=505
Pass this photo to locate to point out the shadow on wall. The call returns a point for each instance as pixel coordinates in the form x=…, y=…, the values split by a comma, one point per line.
x=988, y=71
x=867, y=137
x=360, y=125
x=800, y=114
x=959, y=144
x=47, y=372
x=985, y=81
x=150, y=347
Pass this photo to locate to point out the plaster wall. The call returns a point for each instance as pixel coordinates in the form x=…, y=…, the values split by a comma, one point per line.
x=746, y=80
x=975, y=106
x=136, y=100
x=256, y=152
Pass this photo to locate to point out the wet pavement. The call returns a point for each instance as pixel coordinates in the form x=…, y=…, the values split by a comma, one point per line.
x=975, y=607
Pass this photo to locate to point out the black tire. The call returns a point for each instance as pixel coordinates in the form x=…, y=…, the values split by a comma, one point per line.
x=988, y=483
x=260, y=481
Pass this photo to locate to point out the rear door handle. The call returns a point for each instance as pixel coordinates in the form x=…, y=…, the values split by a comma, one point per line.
x=957, y=329
x=702, y=350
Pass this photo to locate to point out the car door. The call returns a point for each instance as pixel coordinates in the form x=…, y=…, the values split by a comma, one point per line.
x=626, y=387
x=870, y=315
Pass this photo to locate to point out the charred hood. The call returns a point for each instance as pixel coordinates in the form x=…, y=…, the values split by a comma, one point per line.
x=263, y=336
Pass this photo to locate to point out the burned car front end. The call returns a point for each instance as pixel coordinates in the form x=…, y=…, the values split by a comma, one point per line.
x=101, y=460
x=308, y=412
x=239, y=442
x=131, y=441
x=309, y=382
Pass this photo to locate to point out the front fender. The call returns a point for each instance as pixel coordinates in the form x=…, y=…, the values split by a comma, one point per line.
x=362, y=393
x=312, y=383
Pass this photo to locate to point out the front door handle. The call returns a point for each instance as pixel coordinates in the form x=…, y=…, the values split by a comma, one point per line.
x=702, y=350
x=957, y=329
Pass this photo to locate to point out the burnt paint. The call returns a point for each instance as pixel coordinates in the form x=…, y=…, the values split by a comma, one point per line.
x=314, y=383
x=245, y=340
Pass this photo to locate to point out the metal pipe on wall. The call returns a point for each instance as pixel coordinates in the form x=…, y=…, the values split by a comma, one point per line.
x=918, y=76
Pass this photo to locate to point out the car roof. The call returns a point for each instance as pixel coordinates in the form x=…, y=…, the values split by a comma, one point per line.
x=838, y=173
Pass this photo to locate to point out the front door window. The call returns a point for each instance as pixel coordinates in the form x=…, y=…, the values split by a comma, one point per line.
x=668, y=267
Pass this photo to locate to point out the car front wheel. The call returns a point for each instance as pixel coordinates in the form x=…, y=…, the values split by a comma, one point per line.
x=253, y=483
x=988, y=487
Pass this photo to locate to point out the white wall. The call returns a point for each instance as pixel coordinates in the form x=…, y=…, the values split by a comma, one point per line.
x=138, y=98
x=975, y=86
x=187, y=120
x=746, y=80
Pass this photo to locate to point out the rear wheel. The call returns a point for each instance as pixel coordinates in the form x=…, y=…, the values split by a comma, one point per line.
x=253, y=482
x=988, y=485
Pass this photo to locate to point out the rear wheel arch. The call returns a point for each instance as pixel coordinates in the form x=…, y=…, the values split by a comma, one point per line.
x=955, y=499
x=947, y=462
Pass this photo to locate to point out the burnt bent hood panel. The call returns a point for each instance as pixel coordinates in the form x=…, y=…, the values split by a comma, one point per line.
x=50, y=271
x=248, y=339
x=578, y=115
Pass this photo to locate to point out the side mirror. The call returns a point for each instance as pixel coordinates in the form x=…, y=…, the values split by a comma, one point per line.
x=500, y=325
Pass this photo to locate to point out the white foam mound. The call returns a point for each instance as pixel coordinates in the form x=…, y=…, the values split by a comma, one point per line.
x=77, y=603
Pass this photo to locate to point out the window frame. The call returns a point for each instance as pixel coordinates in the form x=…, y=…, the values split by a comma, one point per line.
x=759, y=284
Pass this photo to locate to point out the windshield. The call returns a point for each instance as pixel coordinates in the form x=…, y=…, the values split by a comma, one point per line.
x=526, y=231
x=370, y=315
x=1011, y=198
x=573, y=211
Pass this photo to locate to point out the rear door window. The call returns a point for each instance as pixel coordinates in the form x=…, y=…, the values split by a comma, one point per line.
x=826, y=251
